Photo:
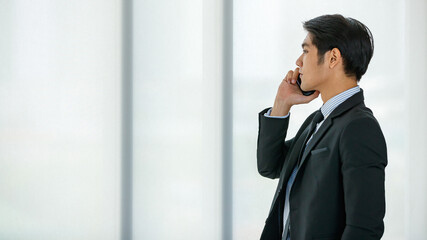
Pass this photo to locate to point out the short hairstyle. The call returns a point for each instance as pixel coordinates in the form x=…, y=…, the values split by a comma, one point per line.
x=351, y=37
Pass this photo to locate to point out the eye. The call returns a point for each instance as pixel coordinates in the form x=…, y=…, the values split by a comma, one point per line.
x=304, y=51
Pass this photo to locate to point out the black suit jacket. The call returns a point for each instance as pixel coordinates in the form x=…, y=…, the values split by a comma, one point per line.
x=338, y=192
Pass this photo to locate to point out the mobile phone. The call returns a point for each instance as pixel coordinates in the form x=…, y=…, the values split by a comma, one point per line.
x=305, y=93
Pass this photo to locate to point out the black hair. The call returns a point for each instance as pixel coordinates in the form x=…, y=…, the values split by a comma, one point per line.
x=351, y=37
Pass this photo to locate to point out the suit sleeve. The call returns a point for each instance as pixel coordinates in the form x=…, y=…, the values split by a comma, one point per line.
x=271, y=145
x=364, y=158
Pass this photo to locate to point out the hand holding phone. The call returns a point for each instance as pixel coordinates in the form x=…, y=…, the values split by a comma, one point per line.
x=305, y=93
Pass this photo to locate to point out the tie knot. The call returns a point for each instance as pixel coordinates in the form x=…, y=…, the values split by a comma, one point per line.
x=318, y=117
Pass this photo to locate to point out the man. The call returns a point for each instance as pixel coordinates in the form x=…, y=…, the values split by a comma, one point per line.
x=331, y=174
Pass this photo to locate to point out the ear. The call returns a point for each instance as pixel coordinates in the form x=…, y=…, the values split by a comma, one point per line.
x=334, y=57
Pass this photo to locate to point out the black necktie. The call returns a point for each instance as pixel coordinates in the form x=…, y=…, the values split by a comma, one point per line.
x=318, y=117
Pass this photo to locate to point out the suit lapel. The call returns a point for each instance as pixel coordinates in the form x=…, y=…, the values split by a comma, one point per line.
x=316, y=138
x=293, y=157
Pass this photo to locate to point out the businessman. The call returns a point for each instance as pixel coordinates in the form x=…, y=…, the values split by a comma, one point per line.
x=331, y=173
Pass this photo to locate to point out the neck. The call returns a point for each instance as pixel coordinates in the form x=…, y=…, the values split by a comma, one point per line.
x=336, y=86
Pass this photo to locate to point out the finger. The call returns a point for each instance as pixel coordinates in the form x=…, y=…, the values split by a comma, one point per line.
x=313, y=96
x=289, y=76
x=295, y=75
x=307, y=99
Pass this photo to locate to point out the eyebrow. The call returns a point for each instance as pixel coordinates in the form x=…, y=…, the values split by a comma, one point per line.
x=304, y=44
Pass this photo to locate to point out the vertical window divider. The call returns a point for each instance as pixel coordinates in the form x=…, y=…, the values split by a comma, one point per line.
x=126, y=121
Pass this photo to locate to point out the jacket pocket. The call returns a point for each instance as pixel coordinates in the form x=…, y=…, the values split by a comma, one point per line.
x=319, y=151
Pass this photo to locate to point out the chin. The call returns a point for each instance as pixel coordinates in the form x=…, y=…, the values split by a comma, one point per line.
x=306, y=88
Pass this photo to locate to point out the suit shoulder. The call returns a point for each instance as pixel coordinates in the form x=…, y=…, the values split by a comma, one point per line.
x=358, y=121
x=361, y=123
x=360, y=113
x=362, y=136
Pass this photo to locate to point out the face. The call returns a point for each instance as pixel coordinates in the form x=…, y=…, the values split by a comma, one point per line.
x=312, y=73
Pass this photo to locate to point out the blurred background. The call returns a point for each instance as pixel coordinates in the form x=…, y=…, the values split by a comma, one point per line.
x=139, y=119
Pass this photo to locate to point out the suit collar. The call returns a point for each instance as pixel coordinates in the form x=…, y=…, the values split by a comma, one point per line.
x=329, y=106
x=348, y=104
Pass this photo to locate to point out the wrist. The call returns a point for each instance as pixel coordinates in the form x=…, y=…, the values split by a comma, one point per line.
x=280, y=109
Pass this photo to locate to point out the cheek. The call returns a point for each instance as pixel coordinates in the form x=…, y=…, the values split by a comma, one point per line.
x=308, y=64
x=312, y=59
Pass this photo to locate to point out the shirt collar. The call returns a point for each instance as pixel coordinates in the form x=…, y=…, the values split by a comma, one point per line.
x=335, y=101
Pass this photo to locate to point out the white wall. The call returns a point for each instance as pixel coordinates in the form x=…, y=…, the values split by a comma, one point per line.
x=415, y=85
x=60, y=119
x=177, y=119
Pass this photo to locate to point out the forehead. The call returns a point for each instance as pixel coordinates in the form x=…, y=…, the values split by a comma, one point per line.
x=307, y=41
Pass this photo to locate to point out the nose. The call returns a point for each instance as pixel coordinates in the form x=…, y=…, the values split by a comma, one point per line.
x=299, y=61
